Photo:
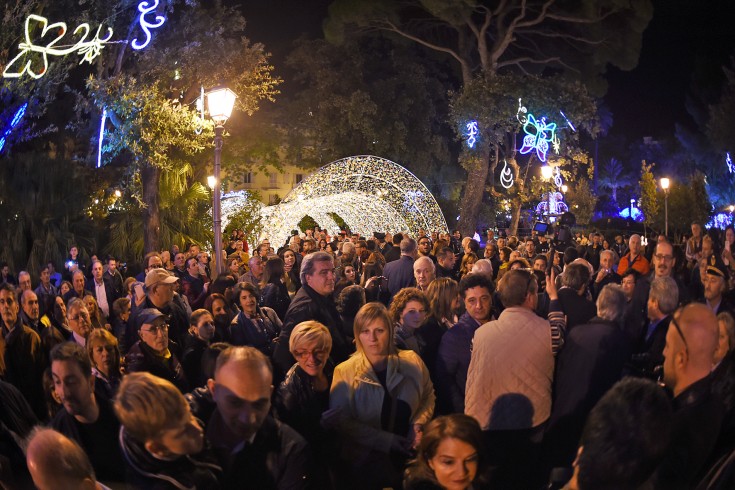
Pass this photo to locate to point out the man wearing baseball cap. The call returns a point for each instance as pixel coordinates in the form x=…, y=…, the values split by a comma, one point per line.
x=715, y=285
x=159, y=294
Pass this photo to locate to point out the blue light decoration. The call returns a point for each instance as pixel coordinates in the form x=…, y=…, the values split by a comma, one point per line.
x=101, y=137
x=626, y=212
x=13, y=123
x=569, y=123
x=146, y=8
x=472, y=132
x=720, y=221
x=539, y=133
x=729, y=163
x=554, y=205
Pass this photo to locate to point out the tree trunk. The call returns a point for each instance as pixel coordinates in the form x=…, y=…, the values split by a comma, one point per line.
x=150, y=177
x=474, y=189
x=515, y=217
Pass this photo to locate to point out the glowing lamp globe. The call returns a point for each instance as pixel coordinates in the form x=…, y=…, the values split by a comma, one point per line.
x=211, y=181
x=546, y=172
x=220, y=103
x=665, y=183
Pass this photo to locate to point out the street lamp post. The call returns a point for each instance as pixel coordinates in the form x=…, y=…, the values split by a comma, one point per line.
x=665, y=186
x=220, y=102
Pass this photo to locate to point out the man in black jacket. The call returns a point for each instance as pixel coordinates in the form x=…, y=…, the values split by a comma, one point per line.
x=394, y=253
x=313, y=302
x=400, y=272
x=690, y=345
x=88, y=420
x=590, y=363
x=255, y=450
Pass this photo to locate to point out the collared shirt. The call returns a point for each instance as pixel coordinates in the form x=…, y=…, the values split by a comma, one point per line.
x=101, y=293
x=713, y=306
x=79, y=339
x=652, y=327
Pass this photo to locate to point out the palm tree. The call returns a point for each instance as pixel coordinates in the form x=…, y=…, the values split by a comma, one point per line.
x=613, y=176
x=184, y=206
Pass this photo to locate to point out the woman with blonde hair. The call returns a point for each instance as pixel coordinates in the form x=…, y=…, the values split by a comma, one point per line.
x=468, y=260
x=385, y=397
x=94, y=312
x=104, y=353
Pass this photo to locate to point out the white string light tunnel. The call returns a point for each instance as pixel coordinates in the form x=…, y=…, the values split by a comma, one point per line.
x=369, y=193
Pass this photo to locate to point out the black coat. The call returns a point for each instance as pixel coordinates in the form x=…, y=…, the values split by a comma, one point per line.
x=297, y=404
x=147, y=472
x=109, y=290
x=696, y=424
x=393, y=254
x=141, y=358
x=275, y=296
x=650, y=350
x=310, y=305
x=578, y=309
x=260, y=333
x=24, y=360
x=590, y=362
x=399, y=274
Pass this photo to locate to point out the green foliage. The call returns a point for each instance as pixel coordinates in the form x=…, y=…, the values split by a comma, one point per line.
x=365, y=96
x=649, y=202
x=247, y=219
x=307, y=222
x=44, y=208
x=184, y=207
x=581, y=201
x=688, y=202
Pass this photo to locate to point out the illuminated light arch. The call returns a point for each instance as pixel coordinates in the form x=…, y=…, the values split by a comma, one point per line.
x=369, y=193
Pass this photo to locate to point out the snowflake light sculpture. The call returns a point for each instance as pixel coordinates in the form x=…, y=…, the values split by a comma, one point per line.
x=369, y=193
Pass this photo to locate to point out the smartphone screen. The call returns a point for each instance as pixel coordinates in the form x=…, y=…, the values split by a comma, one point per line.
x=139, y=293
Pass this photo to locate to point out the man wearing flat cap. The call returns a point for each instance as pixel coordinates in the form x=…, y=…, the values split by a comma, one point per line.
x=715, y=286
x=159, y=294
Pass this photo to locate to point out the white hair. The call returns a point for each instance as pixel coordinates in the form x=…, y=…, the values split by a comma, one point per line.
x=424, y=259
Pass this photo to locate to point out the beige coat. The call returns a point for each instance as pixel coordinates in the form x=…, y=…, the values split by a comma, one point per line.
x=357, y=391
x=511, y=371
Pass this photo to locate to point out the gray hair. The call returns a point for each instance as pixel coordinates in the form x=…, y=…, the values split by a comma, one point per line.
x=611, y=303
x=421, y=259
x=408, y=246
x=612, y=254
x=309, y=263
x=483, y=266
x=666, y=293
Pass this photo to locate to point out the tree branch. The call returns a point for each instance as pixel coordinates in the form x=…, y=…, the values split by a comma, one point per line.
x=528, y=59
x=466, y=71
x=560, y=36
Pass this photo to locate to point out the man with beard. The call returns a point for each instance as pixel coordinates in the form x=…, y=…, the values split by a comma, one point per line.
x=445, y=261
x=313, y=302
x=84, y=418
x=255, y=450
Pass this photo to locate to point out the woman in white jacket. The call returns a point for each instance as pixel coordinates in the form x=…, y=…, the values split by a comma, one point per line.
x=383, y=396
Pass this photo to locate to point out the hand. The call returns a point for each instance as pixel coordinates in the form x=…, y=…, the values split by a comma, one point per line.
x=401, y=445
x=601, y=275
x=415, y=434
x=206, y=287
x=331, y=418
x=551, y=286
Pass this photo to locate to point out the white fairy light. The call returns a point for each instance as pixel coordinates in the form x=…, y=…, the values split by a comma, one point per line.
x=369, y=193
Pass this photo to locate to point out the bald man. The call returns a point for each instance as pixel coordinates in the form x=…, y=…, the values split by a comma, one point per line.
x=56, y=461
x=691, y=341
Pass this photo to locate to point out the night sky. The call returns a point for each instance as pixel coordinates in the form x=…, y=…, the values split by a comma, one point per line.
x=685, y=40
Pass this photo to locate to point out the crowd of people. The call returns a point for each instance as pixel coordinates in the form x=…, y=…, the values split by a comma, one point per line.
x=391, y=361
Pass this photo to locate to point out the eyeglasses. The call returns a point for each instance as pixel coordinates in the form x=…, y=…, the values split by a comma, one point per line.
x=304, y=354
x=80, y=316
x=667, y=258
x=154, y=330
